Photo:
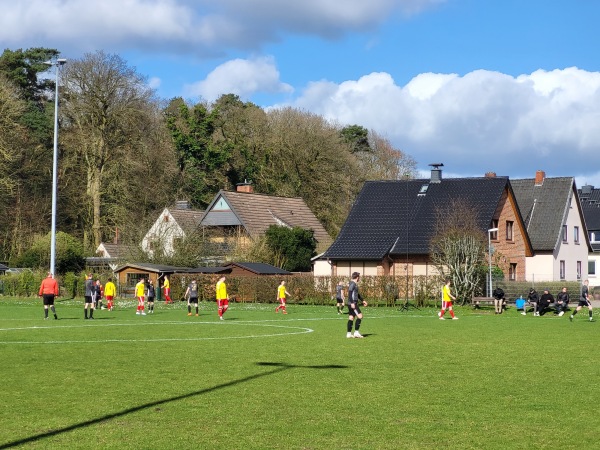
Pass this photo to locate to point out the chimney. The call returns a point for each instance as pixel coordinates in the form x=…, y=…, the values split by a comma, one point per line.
x=246, y=186
x=182, y=204
x=539, y=177
x=436, y=173
x=490, y=174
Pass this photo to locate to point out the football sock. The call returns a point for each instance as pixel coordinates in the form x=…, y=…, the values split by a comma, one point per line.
x=590, y=314
x=357, y=324
x=349, y=326
x=85, y=312
x=45, y=313
x=91, y=313
x=196, y=310
x=189, y=308
x=53, y=310
x=574, y=312
x=452, y=313
x=442, y=312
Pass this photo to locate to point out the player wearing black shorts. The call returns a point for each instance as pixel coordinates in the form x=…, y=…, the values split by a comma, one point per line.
x=584, y=300
x=354, y=312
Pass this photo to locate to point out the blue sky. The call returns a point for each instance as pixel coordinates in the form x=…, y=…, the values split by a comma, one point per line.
x=481, y=85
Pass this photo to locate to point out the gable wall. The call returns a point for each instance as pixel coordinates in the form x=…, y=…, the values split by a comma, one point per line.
x=164, y=232
x=506, y=252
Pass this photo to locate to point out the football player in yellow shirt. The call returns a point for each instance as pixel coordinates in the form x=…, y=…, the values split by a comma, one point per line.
x=281, y=293
x=140, y=290
x=222, y=297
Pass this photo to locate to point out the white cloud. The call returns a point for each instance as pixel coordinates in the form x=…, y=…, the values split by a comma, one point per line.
x=193, y=26
x=242, y=77
x=482, y=121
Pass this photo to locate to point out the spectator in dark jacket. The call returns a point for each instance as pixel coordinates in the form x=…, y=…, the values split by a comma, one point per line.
x=498, y=295
x=532, y=300
x=545, y=301
x=562, y=301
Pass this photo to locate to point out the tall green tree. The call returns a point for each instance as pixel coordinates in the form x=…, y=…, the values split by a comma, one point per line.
x=296, y=246
x=30, y=135
x=200, y=161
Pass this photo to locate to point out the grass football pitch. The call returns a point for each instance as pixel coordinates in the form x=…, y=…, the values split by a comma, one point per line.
x=260, y=380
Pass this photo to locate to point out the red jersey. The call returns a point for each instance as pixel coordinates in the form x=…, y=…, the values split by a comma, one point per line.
x=49, y=286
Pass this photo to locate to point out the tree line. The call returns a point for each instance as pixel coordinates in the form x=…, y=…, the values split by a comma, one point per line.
x=125, y=153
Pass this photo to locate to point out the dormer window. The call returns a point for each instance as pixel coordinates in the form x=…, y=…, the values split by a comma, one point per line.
x=423, y=189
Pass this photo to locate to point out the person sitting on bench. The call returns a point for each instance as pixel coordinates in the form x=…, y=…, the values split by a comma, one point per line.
x=532, y=300
x=498, y=295
x=562, y=301
x=545, y=301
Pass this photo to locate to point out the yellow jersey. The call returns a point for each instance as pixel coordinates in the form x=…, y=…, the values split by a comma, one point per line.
x=281, y=292
x=166, y=284
x=110, y=289
x=139, y=289
x=221, y=289
x=446, y=293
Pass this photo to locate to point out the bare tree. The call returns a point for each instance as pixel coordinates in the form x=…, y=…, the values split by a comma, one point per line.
x=110, y=120
x=384, y=162
x=11, y=132
x=458, y=248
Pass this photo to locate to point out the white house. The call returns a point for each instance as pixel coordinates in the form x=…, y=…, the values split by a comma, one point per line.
x=554, y=220
x=173, y=224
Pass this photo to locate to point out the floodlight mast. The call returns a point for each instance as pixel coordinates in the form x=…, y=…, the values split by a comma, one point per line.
x=56, y=63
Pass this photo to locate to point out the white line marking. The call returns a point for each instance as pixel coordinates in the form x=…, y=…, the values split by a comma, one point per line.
x=301, y=330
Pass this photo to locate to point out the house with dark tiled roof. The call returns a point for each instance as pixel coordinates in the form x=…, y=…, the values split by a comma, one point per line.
x=247, y=215
x=589, y=197
x=172, y=225
x=556, y=227
x=391, y=225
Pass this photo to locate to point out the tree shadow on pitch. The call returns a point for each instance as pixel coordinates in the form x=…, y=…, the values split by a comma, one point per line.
x=277, y=367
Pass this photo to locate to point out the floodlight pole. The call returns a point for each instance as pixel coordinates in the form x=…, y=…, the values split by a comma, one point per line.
x=490, y=231
x=57, y=63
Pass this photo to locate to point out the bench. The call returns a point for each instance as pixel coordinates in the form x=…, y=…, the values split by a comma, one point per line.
x=476, y=301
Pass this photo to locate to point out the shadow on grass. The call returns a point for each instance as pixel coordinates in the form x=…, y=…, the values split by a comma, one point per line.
x=277, y=367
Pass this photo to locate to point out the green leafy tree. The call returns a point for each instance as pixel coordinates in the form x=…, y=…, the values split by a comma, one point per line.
x=201, y=163
x=357, y=138
x=69, y=254
x=295, y=245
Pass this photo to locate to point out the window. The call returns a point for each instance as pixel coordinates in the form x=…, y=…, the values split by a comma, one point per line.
x=166, y=218
x=579, y=270
x=562, y=270
x=509, y=230
x=565, y=234
x=133, y=278
x=591, y=267
x=494, y=234
x=576, y=235
x=512, y=271
x=595, y=236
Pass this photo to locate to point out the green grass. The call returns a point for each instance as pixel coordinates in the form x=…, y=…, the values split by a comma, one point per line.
x=265, y=381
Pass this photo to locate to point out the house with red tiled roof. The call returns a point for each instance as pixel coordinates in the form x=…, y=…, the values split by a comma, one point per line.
x=173, y=225
x=245, y=215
